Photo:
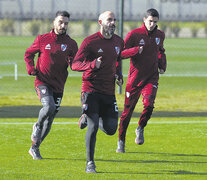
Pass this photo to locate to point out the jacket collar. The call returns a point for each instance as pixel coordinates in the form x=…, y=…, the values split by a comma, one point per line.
x=56, y=36
x=148, y=32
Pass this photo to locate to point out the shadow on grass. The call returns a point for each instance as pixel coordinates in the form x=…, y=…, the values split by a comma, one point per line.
x=75, y=112
x=179, y=172
x=186, y=172
x=152, y=161
x=163, y=172
x=169, y=154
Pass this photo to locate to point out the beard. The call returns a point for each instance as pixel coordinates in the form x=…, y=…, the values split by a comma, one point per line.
x=61, y=31
x=109, y=30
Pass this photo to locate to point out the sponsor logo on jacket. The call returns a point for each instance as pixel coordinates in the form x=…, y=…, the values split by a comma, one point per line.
x=141, y=42
x=100, y=50
x=48, y=46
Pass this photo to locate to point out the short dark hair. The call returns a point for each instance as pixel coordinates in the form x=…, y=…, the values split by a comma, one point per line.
x=152, y=12
x=62, y=13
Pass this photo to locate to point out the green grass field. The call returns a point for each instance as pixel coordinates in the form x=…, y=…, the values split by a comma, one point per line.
x=175, y=138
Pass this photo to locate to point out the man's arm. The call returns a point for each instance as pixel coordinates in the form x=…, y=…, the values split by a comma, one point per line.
x=127, y=53
x=72, y=54
x=118, y=75
x=162, y=62
x=129, y=48
x=80, y=62
x=29, y=57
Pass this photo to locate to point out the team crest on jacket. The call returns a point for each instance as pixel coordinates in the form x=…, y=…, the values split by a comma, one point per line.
x=157, y=40
x=63, y=47
x=117, y=50
x=141, y=42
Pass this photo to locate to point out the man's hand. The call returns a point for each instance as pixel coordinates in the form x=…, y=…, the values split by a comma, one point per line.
x=119, y=80
x=69, y=60
x=162, y=71
x=140, y=49
x=34, y=72
x=98, y=62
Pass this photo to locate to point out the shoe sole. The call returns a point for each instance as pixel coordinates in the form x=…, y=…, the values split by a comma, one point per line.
x=91, y=171
x=30, y=152
x=120, y=151
x=138, y=142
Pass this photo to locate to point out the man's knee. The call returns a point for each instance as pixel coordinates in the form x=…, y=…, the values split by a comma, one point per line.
x=50, y=109
x=48, y=105
x=111, y=132
x=110, y=126
x=148, y=112
x=149, y=109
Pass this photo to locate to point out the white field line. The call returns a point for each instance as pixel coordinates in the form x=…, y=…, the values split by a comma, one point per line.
x=125, y=75
x=133, y=122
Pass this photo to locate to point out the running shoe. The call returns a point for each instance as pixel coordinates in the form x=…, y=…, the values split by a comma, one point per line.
x=35, y=153
x=120, y=147
x=140, y=136
x=90, y=167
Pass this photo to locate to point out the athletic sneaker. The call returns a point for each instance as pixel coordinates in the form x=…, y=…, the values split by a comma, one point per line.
x=121, y=147
x=83, y=121
x=36, y=134
x=140, y=136
x=90, y=167
x=35, y=153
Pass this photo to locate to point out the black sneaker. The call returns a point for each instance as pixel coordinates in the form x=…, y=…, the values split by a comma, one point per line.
x=90, y=167
x=140, y=136
x=35, y=153
x=83, y=121
x=120, y=147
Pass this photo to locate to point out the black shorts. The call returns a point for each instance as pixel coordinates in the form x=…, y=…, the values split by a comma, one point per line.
x=43, y=91
x=102, y=104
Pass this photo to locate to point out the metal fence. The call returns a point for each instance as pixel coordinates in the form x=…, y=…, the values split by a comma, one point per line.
x=176, y=10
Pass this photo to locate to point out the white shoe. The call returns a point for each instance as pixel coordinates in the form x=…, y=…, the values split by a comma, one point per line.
x=140, y=136
x=121, y=147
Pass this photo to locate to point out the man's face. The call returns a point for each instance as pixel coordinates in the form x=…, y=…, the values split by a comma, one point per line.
x=150, y=22
x=108, y=24
x=61, y=24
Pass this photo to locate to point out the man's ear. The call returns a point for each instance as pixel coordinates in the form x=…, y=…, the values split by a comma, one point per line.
x=100, y=22
x=144, y=19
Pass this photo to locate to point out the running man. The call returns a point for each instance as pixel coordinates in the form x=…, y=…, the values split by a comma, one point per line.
x=99, y=59
x=56, y=51
x=144, y=46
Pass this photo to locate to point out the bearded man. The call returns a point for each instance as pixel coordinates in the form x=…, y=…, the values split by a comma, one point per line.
x=56, y=51
x=99, y=59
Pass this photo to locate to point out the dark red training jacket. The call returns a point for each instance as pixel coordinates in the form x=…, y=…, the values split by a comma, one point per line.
x=54, y=52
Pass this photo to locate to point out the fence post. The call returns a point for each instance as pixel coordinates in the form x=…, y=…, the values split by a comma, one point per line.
x=121, y=19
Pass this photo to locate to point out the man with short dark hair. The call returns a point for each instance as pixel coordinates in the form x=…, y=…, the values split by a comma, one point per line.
x=144, y=46
x=56, y=51
x=99, y=59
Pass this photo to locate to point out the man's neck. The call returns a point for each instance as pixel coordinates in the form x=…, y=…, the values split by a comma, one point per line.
x=105, y=35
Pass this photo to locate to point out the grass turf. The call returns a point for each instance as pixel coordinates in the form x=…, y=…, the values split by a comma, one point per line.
x=171, y=151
